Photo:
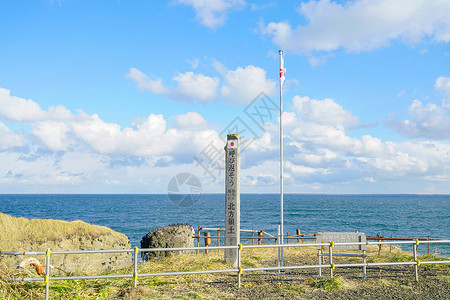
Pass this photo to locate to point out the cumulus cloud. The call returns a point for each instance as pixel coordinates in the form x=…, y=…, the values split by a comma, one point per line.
x=320, y=153
x=145, y=83
x=239, y=86
x=323, y=112
x=9, y=139
x=427, y=121
x=430, y=120
x=443, y=84
x=78, y=149
x=190, y=86
x=58, y=129
x=212, y=13
x=195, y=86
x=18, y=109
x=362, y=25
x=244, y=84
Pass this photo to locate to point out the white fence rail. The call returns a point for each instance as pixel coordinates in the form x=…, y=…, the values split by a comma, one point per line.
x=239, y=270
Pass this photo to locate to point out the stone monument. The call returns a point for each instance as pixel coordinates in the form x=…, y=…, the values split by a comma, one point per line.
x=232, y=197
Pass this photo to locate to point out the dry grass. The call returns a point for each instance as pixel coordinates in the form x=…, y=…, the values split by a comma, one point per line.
x=295, y=285
x=21, y=233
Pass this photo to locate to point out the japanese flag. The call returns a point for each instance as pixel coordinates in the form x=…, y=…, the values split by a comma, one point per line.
x=232, y=144
x=282, y=69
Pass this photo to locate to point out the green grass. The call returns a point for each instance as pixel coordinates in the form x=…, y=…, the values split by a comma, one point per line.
x=329, y=284
x=198, y=286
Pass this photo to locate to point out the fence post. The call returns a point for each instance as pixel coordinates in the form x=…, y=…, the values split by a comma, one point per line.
x=331, y=258
x=239, y=264
x=253, y=235
x=380, y=240
x=47, y=273
x=198, y=237
x=279, y=248
x=390, y=246
x=365, y=264
x=218, y=237
x=207, y=240
x=416, y=266
x=319, y=255
x=135, y=256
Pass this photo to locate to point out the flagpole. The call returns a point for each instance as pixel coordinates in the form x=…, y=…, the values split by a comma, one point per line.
x=281, y=151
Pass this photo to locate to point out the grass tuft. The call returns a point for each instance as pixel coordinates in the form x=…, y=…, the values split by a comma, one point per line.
x=329, y=284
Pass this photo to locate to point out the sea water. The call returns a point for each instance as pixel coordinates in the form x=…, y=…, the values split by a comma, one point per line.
x=407, y=216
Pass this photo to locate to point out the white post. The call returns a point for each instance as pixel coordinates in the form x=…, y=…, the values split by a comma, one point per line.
x=282, y=70
x=47, y=273
x=416, y=271
x=279, y=248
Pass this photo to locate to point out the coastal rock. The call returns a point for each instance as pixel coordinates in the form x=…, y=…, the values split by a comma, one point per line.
x=172, y=236
x=21, y=234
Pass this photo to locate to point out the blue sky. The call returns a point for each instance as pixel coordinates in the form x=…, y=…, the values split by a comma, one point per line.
x=120, y=96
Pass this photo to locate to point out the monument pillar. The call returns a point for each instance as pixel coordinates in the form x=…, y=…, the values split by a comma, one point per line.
x=232, y=197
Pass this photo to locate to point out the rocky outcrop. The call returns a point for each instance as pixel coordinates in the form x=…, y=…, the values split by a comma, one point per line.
x=20, y=234
x=172, y=236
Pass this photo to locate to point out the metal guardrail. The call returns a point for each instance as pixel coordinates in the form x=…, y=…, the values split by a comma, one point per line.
x=135, y=275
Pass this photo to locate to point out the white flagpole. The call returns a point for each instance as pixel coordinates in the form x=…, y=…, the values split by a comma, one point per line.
x=282, y=70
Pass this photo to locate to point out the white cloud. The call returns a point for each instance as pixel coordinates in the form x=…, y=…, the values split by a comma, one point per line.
x=239, y=86
x=443, y=84
x=191, y=121
x=190, y=86
x=320, y=153
x=82, y=150
x=212, y=13
x=9, y=139
x=18, y=109
x=243, y=84
x=323, y=112
x=145, y=83
x=427, y=121
x=194, y=63
x=53, y=135
x=362, y=25
x=195, y=86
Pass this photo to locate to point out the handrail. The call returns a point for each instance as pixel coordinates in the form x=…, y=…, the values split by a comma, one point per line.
x=416, y=262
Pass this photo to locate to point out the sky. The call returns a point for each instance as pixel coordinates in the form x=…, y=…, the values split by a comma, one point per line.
x=122, y=96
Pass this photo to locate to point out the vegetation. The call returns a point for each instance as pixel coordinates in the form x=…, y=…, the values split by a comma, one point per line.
x=293, y=284
x=22, y=234
x=328, y=284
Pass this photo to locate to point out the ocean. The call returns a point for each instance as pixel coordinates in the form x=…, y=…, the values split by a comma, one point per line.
x=407, y=216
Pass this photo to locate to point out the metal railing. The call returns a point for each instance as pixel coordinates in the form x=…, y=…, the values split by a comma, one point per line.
x=239, y=270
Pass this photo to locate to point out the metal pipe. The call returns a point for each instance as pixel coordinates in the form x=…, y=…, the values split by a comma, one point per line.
x=92, y=277
x=416, y=271
x=331, y=259
x=432, y=262
x=319, y=256
x=189, y=272
x=347, y=255
x=47, y=273
x=399, y=239
x=365, y=264
x=285, y=268
x=135, y=258
x=239, y=265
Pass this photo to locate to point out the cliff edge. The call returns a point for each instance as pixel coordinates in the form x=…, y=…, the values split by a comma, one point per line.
x=21, y=234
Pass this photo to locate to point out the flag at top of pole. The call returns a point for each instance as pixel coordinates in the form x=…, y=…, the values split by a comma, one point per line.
x=282, y=69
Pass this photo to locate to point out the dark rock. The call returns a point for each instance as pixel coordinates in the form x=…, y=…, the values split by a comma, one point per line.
x=172, y=236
